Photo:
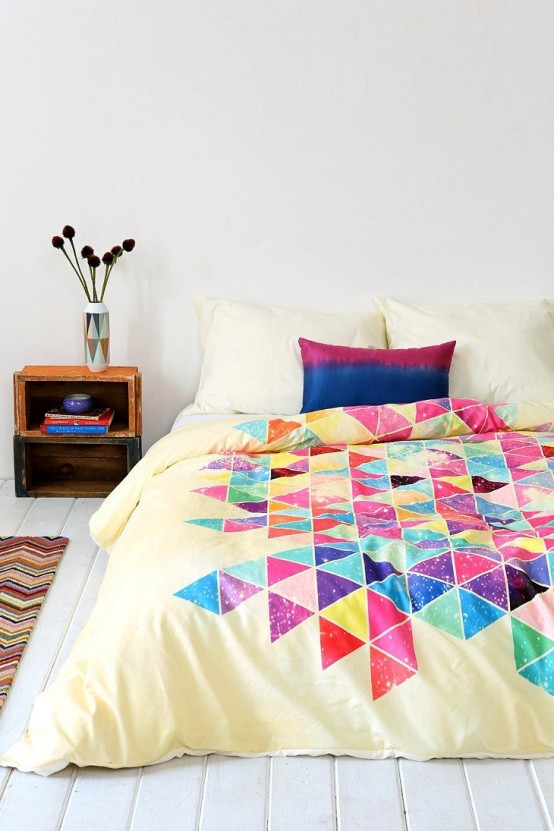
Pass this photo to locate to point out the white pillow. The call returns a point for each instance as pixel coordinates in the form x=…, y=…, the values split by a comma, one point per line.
x=504, y=351
x=252, y=361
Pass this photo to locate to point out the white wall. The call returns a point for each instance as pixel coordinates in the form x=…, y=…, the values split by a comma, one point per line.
x=295, y=152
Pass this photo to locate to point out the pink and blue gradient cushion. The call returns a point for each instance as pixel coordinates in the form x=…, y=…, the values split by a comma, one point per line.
x=344, y=376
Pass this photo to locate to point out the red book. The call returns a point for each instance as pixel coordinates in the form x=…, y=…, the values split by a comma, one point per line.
x=74, y=421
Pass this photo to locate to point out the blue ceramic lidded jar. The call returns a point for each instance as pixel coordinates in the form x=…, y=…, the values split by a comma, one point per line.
x=78, y=404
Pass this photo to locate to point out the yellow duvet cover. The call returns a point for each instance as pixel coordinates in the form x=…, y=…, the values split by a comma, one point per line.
x=372, y=581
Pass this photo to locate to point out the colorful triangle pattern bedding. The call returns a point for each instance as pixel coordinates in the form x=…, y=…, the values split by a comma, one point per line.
x=27, y=568
x=399, y=530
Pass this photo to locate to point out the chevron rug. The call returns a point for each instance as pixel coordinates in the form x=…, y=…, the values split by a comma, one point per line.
x=27, y=567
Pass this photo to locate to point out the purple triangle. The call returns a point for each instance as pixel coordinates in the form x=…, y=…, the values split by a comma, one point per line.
x=491, y=586
x=376, y=572
x=521, y=588
x=253, y=507
x=464, y=503
x=284, y=615
x=331, y=587
x=233, y=592
x=440, y=567
x=454, y=527
x=536, y=569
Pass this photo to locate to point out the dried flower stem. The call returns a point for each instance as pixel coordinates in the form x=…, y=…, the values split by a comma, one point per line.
x=93, y=280
x=109, y=270
x=79, y=275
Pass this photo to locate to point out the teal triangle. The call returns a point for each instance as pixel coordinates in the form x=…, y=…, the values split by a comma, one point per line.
x=216, y=524
x=344, y=471
x=477, y=613
x=541, y=672
x=203, y=592
x=350, y=567
x=298, y=555
x=257, y=429
x=299, y=525
x=309, y=439
x=253, y=571
x=394, y=587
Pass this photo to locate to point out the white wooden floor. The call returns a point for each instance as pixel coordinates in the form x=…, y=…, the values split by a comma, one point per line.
x=219, y=793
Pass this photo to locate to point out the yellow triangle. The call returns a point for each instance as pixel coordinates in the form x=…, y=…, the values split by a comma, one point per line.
x=350, y=612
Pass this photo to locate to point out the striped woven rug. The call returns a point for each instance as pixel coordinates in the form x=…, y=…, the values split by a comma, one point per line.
x=27, y=567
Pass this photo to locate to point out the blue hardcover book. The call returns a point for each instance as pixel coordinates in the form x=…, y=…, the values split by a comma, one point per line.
x=75, y=429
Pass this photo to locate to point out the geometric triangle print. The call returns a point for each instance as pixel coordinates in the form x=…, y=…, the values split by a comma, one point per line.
x=382, y=614
x=539, y=613
x=233, y=592
x=350, y=567
x=300, y=588
x=541, y=672
x=521, y=588
x=440, y=567
x=491, y=586
x=203, y=592
x=350, y=613
x=331, y=588
x=395, y=589
x=253, y=571
x=284, y=615
x=281, y=569
x=399, y=642
x=297, y=555
x=335, y=642
x=386, y=673
x=444, y=613
x=529, y=645
x=477, y=613
x=470, y=565
x=424, y=590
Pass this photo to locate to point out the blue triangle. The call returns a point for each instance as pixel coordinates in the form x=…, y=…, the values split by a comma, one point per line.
x=477, y=613
x=257, y=429
x=203, y=592
x=425, y=589
x=394, y=588
x=216, y=524
x=325, y=553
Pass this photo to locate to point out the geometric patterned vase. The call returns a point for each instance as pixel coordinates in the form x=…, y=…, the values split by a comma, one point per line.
x=96, y=320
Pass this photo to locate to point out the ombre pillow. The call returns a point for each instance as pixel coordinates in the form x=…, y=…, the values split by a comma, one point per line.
x=342, y=376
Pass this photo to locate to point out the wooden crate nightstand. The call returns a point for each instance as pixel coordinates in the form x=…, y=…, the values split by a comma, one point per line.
x=75, y=465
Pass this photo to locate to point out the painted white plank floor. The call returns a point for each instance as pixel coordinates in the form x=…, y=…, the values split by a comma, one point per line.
x=208, y=793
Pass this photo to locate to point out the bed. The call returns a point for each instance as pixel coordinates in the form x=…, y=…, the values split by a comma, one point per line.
x=365, y=580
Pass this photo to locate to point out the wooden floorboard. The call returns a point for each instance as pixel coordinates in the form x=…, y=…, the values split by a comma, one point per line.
x=366, y=792
x=504, y=795
x=235, y=794
x=302, y=794
x=205, y=793
x=169, y=796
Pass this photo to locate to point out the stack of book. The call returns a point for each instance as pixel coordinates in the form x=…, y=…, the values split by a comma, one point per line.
x=96, y=422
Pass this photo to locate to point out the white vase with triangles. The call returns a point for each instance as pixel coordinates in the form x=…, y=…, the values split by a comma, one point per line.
x=96, y=320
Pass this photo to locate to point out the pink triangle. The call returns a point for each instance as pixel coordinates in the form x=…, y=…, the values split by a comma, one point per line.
x=284, y=615
x=233, y=592
x=278, y=570
x=216, y=492
x=299, y=498
x=368, y=416
x=539, y=613
x=428, y=409
x=470, y=565
x=300, y=588
x=382, y=614
x=399, y=643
